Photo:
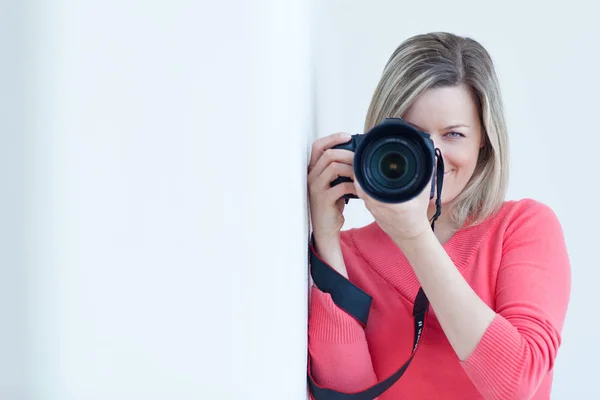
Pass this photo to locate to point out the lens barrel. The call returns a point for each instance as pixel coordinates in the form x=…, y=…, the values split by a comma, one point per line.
x=394, y=161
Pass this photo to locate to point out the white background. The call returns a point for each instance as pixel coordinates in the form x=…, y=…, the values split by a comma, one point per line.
x=153, y=202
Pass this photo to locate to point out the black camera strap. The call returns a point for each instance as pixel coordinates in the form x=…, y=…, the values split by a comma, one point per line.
x=438, y=181
x=357, y=303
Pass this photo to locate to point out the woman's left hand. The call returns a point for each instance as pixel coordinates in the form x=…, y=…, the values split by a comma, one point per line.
x=402, y=221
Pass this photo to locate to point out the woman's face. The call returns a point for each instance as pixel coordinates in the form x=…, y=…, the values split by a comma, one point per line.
x=450, y=116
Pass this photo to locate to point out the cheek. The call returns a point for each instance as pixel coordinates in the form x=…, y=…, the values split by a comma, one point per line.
x=466, y=166
x=463, y=160
x=463, y=164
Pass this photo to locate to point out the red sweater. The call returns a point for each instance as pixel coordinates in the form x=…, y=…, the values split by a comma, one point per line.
x=516, y=261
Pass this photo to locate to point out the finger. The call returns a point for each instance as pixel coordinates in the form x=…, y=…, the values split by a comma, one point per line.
x=320, y=145
x=359, y=190
x=338, y=191
x=330, y=156
x=331, y=173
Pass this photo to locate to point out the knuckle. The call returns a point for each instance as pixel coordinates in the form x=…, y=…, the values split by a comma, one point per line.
x=317, y=144
x=328, y=155
x=345, y=168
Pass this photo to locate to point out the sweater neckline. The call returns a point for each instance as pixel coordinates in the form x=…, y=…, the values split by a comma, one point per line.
x=387, y=259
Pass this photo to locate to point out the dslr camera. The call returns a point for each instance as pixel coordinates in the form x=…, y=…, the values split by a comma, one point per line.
x=393, y=162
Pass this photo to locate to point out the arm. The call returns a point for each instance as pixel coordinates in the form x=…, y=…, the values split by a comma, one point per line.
x=337, y=344
x=338, y=347
x=507, y=352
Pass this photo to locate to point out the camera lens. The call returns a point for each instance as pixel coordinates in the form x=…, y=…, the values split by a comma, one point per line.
x=393, y=166
x=394, y=162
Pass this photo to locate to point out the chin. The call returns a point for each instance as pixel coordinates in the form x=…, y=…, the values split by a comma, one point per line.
x=445, y=200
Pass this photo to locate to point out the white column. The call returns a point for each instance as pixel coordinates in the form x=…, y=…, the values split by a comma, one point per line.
x=167, y=152
x=12, y=209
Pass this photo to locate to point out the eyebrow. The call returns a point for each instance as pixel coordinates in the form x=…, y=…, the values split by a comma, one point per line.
x=445, y=129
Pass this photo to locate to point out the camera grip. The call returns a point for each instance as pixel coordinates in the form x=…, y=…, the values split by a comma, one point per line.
x=341, y=179
x=350, y=145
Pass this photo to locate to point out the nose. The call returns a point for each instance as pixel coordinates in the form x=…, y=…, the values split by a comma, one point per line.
x=437, y=142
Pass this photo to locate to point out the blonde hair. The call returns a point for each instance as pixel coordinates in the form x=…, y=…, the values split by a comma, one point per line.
x=441, y=59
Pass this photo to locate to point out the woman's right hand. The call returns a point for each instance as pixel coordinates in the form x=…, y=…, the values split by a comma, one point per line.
x=326, y=202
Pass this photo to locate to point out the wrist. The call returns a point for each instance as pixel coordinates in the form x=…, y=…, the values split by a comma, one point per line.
x=414, y=236
x=329, y=250
x=322, y=244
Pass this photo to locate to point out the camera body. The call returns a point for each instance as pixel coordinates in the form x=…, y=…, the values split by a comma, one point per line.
x=393, y=162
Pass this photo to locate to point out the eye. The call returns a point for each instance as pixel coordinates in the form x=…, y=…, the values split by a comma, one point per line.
x=454, y=134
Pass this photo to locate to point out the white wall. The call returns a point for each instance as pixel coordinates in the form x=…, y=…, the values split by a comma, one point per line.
x=548, y=69
x=12, y=170
x=166, y=217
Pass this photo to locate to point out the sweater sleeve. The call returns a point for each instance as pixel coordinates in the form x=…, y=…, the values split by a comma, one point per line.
x=337, y=345
x=532, y=293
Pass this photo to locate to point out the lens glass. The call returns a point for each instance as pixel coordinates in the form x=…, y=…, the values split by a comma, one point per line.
x=393, y=165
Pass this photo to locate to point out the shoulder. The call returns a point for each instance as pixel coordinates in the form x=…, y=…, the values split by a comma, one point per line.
x=516, y=220
x=531, y=228
x=527, y=215
x=527, y=206
x=366, y=235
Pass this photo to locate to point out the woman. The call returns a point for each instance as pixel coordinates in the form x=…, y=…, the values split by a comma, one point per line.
x=496, y=272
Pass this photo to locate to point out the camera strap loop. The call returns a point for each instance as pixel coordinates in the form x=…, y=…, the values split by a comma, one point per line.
x=357, y=303
x=439, y=180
